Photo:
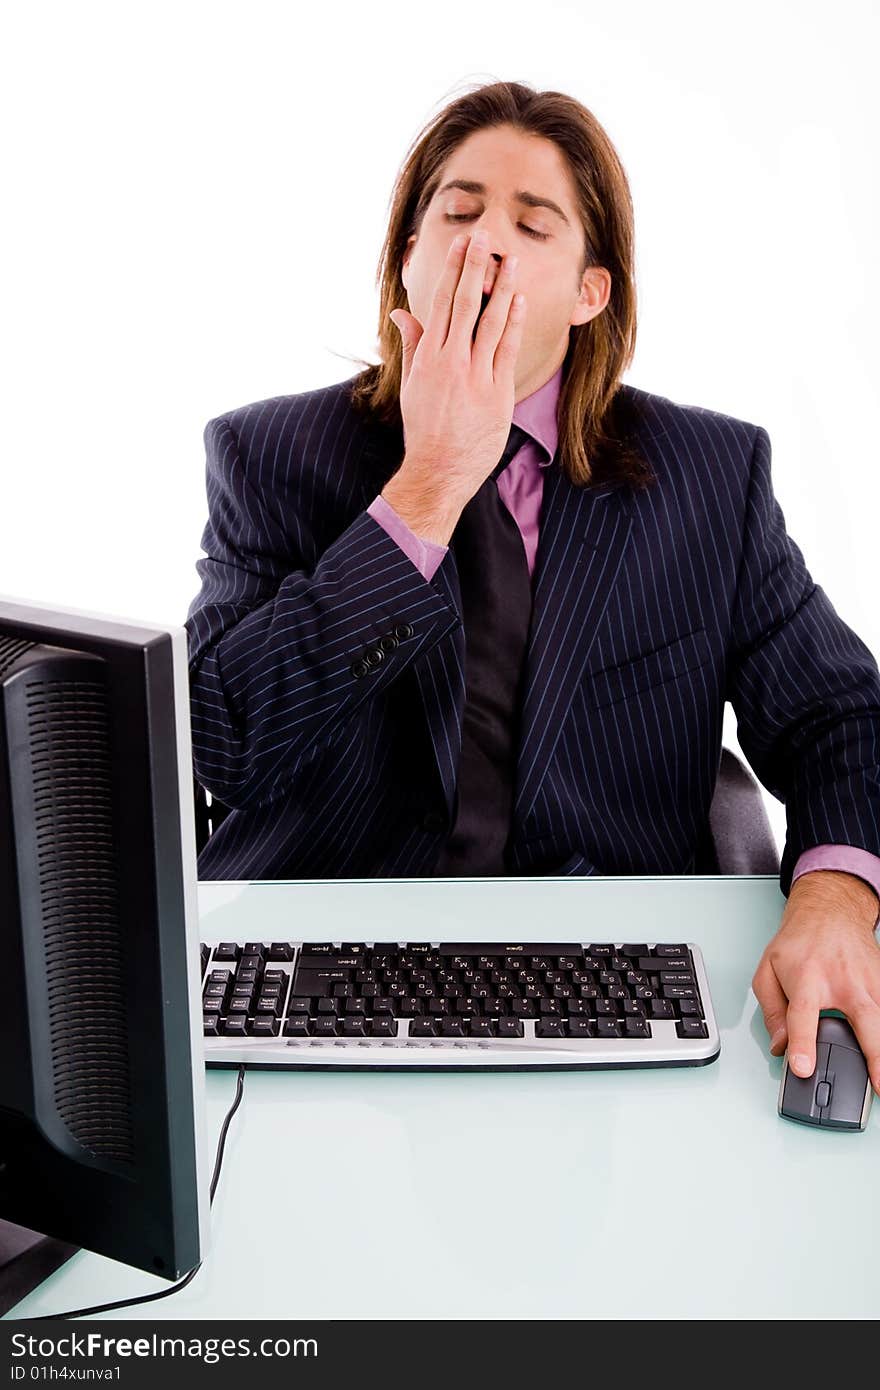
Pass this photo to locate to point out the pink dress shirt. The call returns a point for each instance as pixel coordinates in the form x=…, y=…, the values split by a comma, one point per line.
x=521, y=488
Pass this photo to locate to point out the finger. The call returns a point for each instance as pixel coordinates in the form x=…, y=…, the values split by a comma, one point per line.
x=494, y=318
x=437, y=326
x=410, y=331
x=774, y=1006
x=865, y=1019
x=803, y=1023
x=467, y=299
x=507, y=350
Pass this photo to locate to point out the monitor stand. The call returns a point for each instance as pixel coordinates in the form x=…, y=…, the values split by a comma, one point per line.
x=26, y=1259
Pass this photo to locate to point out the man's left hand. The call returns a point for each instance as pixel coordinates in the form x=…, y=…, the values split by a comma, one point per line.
x=824, y=956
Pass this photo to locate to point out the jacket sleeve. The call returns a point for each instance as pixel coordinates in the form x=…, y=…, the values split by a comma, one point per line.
x=805, y=689
x=277, y=650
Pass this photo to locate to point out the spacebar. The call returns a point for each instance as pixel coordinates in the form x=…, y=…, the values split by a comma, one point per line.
x=498, y=948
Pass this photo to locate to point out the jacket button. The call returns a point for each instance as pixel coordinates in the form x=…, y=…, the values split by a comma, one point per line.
x=373, y=655
x=359, y=668
x=403, y=630
x=434, y=821
x=389, y=643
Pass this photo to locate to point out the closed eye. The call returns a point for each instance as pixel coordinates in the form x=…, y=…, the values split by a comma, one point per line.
x=467, y=217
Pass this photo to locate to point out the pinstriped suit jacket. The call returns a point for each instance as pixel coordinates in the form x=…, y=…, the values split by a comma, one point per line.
x=650, y=610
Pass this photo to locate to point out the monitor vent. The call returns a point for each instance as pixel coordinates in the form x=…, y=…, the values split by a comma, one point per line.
x=69, y=748
x=10, y=650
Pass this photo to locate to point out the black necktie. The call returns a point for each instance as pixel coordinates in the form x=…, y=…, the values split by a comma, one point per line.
x=496, y=606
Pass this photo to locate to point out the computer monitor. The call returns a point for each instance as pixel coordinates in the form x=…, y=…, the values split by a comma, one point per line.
x=102, y=1073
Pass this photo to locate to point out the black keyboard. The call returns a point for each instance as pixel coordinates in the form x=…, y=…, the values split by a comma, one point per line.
x=392, y=1004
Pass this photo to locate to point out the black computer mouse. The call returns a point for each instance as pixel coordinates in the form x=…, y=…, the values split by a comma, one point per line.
x=838, y=1095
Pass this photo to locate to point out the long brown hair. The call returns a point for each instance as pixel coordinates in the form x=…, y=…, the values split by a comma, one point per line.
x=593, y=435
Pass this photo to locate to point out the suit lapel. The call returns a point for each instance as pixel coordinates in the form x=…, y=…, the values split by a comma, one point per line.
x=583, y=537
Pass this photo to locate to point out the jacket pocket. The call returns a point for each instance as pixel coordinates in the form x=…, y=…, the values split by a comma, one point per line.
x=668, y=662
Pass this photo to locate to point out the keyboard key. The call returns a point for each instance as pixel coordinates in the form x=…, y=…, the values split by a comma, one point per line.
x=452, y=1028
x=654, y=964
x=211, y=1026
x=280, y=950
x=263, y=1027
x=253, y=948
x=636, y=1028
x=581, y=1028
x=627, y=949
x=634, y=1008
x=668, y=950
x=383, y=1027
x=661, y=1008
x=296, y=1027
x=323, y=1027
x=676, y=977
x=516, y=952
x=481, y=1028
x=299, y=1006
x=510, y=1028
x=523, y=1008
x=608, y=1028
x=578, y=1007
x=338, y=960
x=354, y=1027
x=678, y=992
x=691, y=1028
x=422, y=1028
x=235, y=1027
x=227, y=950
x=606, y=1008
x=317, y=983
x=689, y=1008
x=550, y=1028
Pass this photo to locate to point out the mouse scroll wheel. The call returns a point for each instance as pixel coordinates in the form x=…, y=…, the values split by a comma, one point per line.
x=823, y=1093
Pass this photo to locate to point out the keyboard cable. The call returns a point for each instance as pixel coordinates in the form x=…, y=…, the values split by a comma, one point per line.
x=163, y=1293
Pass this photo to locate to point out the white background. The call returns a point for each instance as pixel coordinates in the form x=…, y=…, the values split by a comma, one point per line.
x=196, y=196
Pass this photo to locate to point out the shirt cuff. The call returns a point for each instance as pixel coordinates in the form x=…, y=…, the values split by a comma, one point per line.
x=846, y=858
x=427, y=556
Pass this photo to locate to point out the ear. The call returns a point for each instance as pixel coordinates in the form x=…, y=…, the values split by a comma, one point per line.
x=594, y=295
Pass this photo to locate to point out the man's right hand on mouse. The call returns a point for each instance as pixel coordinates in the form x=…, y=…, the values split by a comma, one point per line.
x=457, y=390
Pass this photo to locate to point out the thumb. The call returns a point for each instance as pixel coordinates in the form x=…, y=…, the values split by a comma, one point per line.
x=410, y=331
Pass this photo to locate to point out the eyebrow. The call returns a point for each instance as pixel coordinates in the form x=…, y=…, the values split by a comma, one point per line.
x=531, y=200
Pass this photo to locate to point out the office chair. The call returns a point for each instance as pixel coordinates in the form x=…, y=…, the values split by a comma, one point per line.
x=737, y=840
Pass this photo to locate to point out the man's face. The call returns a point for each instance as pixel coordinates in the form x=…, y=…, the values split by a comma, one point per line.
x=506, y=161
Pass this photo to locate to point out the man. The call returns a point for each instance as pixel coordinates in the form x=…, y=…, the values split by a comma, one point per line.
x=490, y=624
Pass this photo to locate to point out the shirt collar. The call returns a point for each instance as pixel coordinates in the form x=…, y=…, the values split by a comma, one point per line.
x=536, y=414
